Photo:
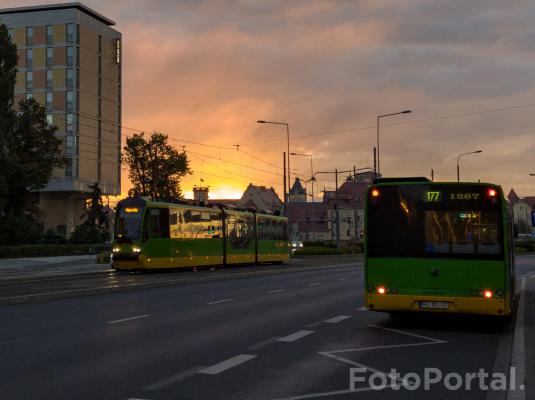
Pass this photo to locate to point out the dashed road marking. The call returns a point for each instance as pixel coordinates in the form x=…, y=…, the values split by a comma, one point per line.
x=295, y=336
x=220, y=301
x=275, y=291
x=117, y=321
x=342, y=279
x=337, y=319
x=227, y=364
x=362, y=309
x=314, y=284
x=173, y=379
x=263, y=343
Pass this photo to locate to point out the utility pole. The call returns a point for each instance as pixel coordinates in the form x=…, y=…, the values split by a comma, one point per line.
x=336, y=210
x=284, y=180
x=374, y=163
x=432, y=175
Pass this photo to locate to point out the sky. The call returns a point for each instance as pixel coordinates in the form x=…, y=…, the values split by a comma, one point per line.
x=206, y=71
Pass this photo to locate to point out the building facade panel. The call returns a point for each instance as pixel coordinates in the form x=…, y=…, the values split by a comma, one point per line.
x=18, y=36
x=60, y=56
x=39, y=80
x=39, y=57
x=59, y=33
x=39, y=35
x=21, y=54
x=59, y=78
x=20, y=84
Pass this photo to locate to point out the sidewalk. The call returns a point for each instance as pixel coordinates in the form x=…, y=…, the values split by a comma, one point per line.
x=529, y=337
x=14, y=268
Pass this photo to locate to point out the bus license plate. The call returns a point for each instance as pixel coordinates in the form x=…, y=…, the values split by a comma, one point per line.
x=439, y=305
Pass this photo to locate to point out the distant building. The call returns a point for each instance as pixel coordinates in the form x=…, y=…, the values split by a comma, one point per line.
x=70, y=62
x=298, y=194
x=200, y=194
x=260, y=198
x=522, y=209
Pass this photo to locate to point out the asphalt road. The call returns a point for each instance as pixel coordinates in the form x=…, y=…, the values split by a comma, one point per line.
x=249, y=336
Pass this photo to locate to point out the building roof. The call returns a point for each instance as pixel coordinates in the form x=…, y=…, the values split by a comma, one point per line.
x=61, y=6
x=297, y=187
x=260, y=197
x=513, y=197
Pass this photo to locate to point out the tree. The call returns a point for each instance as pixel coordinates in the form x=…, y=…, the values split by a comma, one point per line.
x=156, y=167
x=96, y=226
x=29, y=151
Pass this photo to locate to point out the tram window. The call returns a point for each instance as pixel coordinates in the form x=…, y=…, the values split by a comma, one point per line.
x=159, y=222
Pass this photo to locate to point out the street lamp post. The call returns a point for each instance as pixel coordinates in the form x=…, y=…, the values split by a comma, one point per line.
x=378, y=119
x=289, y=180
x=312, y=179
x=458, y=160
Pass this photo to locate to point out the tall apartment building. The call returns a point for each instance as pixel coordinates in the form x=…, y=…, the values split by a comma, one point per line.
x=70, y=62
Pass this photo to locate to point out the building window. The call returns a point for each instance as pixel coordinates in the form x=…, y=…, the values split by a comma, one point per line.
x=69, y=119
x=29, y=96
x=68, y=168
x=49, y=56
x=70, y=55
x=49, y=119
x=77, y=34
x=69, y=145
x=70, y=78
x=49, y=100
x=29, y=36
x=29, y=58
x=77, y=56
x=49, y=78
x=29, y=80
x=70, y=100
x=70, y=33
x=10, y=33
x=49, y=34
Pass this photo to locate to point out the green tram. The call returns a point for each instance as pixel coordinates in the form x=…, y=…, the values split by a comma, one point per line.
x=167, y=235
x=438, y=247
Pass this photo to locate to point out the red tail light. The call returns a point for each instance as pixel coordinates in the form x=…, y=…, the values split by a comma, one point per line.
x=375, y=193
x=491, y=193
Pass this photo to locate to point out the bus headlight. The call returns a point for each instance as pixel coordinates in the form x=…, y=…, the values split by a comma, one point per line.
x=136, y=249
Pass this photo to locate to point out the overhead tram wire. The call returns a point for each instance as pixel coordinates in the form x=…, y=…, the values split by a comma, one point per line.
x=60, y=117
x=364, y=128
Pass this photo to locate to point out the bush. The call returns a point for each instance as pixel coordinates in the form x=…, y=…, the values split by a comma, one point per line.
x=87, y=234
x=44, y=250
x=51, y=237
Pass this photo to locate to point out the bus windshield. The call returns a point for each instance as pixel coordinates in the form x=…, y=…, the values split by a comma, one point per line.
x=459, y=221
x=128, y=224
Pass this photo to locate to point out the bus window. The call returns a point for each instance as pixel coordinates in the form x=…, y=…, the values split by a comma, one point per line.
x=159, y=222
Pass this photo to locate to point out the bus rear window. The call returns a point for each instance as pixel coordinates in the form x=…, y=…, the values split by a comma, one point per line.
x=434, y=221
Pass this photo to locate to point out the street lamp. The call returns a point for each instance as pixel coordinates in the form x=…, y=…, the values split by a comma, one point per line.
x=378, y=118
x=312, y=179
x=459, y=157
x=289, y=181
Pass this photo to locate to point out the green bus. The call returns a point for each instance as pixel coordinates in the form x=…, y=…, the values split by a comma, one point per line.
x=438, y=247
x=155, y=235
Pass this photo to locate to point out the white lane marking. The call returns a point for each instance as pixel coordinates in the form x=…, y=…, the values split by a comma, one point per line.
x=220, y=301
x=227, y=364
x=314, y=284
x=518, y=358
x=173, y=379
x=409, y=334
x=263, y=344
x=362, y=309
x=275, y=291
x=337, y=319
x=342, y=279
x=128, y=319
x=327, y=394
x=295, y=336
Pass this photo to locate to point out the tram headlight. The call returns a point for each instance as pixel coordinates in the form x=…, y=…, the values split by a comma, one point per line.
x=116, y=249
x=136, y=249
